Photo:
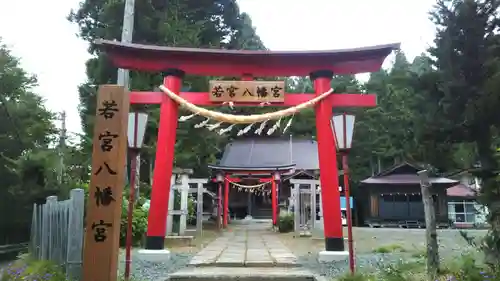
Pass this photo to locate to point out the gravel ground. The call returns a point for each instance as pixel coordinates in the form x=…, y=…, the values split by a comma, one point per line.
x=374, y=248
x=180, y=255
x=398, y=245
x=143, y=270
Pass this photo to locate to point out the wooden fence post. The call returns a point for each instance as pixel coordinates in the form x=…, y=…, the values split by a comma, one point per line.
x=50, y=233
x=296, y=207
x=199, y=208
x=75, y=234
x=184, y=192
x=430, y=226
x=34, y=233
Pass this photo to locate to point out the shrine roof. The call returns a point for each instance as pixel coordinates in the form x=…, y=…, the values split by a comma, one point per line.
x=269, y=154
x=461, y=190
x=405, y=174
x=221, y=62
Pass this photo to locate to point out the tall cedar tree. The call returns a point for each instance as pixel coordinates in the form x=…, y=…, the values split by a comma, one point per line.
x=176, y=23
x=466, y=86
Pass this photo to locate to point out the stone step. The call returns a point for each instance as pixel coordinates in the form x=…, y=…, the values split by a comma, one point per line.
x=222, y=262
x=242, y=274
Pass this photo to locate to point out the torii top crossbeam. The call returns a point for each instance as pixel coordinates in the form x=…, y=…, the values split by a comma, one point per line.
x=209, y=62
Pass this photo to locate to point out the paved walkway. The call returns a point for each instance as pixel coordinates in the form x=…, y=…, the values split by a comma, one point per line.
x=248, y=246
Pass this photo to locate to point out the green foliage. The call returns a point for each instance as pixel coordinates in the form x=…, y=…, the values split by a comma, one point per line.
x=32, y=270
x=139, y=224
x=191, y=219
x=26, y=165
x=285, y=222
x=389, y=249
x=465, y=89
x=468, y=269
x=183, y=23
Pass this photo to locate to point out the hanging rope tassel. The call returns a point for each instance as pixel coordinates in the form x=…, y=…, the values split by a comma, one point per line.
x=245, y=130
x=288, y=124
x=262, y=126
x=223, y=131
x=187, y=117
x=274, y=128
x=214, y=126
x=202, y=123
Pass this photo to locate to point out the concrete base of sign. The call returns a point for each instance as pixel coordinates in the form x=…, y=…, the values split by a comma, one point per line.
x=154, y=255
x=333, y=256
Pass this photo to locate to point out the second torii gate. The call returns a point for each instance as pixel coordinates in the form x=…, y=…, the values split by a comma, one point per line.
x=320, y=66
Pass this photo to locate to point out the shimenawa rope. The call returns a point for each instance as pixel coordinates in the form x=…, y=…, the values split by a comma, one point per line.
x=241, y=119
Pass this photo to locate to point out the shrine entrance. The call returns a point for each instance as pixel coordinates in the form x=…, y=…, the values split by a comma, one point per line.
x=320, y=66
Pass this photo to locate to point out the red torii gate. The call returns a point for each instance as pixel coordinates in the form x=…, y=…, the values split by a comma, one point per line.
x=320, y=66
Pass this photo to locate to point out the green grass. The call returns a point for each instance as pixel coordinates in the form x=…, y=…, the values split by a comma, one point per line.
x=29, y=269
x=391, y=248
x=465, y=267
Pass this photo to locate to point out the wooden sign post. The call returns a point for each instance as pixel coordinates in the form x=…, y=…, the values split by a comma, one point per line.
x=102, y=234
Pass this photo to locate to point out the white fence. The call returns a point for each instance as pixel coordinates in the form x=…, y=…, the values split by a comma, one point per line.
x=57, y=232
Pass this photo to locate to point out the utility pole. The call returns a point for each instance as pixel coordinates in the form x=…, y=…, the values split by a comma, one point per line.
x=123, y=78
x=62, y=147
x=127, y=31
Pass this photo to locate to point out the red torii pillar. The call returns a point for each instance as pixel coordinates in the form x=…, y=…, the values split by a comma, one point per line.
x=226, y=201
x=327, y=154
x=157, y=220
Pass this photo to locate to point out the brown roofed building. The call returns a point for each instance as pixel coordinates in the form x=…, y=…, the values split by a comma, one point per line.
x=393, y=197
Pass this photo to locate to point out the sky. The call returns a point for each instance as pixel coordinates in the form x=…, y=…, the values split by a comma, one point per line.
x=39, y=34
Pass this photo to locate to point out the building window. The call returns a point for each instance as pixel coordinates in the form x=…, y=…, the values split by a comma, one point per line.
x=462, y=212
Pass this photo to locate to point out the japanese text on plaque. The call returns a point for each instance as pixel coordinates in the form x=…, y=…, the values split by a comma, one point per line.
x=247, y=91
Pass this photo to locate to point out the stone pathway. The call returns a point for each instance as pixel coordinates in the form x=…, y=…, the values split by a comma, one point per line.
x=246, y=246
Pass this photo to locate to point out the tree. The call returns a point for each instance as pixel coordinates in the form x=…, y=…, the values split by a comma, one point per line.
x=186, y=23
x=465, y=85
x=27, y=131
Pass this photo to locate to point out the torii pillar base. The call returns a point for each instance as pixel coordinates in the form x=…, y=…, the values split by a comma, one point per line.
x=332, y=256
x=154, y=255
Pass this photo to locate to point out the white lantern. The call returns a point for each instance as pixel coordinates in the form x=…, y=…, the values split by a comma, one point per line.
x=136, y=128
x=219, y=178
x=277, y=176
x=343, y=129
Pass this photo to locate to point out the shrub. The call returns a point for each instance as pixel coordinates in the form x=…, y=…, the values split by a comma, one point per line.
x=467, y=268
x=139, y=223
x=285, y=222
